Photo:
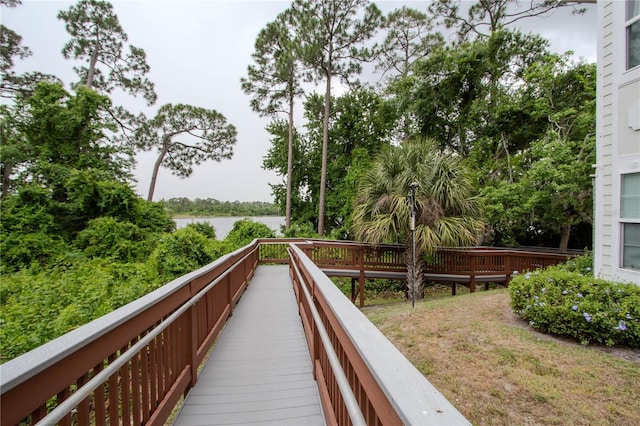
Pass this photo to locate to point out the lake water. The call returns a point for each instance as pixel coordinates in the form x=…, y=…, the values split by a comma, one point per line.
x=223, y=225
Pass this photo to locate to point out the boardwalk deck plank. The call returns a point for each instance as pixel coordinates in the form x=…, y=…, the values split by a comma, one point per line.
x=260, y=371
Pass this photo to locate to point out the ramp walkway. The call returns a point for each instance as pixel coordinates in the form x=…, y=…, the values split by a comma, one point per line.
x=259, y=371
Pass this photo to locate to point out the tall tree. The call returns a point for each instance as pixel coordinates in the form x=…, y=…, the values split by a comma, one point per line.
x=62, y=132
x=359, y=128
x=333, y=34
x=277, y=159
x=98, y=39
x=410, y=37
x=446, y=211
x=462, y=94
x=550, y=191
x=204, y=134
x=274, y=80
x=485, y=17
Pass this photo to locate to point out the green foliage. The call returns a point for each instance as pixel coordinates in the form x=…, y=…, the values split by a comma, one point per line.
x=52, y=133
x=300, y=230
x=180, y=252
x=360, y=126
x=212, y=207
x=585, y=308
x=184, y=136
x=91, y=196
x=332, y=37
x=204, y=228
x=30, y=234
x=274, y=78
x=580, y=264
x=98, y=39
x=246, y=230
x=30, y=249
x=447, y=211
x=40, y=306
x=106, y=237
x=36, y=228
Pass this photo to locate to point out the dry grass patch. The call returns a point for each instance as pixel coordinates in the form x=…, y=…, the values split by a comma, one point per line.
x=497, y=371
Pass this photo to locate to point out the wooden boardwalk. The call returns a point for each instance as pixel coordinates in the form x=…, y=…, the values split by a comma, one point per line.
x=260, y=370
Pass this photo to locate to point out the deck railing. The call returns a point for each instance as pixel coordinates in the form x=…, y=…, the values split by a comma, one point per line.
x=133, y=365
x=384, y=388
x=487, y=264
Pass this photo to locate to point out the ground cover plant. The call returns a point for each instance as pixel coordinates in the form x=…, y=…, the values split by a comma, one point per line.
x=496, y=369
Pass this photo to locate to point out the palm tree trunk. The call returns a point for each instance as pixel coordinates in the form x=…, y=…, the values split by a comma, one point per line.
x=415, y=284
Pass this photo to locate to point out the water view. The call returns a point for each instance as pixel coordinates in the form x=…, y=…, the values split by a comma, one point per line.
x=223, y=225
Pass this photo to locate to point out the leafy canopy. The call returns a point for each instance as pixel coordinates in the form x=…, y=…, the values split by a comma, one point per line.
x=98, y=39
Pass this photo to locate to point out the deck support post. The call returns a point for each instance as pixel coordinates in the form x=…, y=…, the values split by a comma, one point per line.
x=361, y=281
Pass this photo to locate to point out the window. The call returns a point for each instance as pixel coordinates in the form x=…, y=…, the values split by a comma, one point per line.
x=630, y=220
x=632, y=28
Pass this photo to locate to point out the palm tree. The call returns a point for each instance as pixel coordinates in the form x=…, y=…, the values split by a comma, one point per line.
x=447, y=213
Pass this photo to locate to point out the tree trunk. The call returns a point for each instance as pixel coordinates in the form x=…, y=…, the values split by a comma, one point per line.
x=325, y=146
x=565, y=233
x=156, y=168
x=414, y=285
x=92, y=68
x=287, y=223
x=6, y=179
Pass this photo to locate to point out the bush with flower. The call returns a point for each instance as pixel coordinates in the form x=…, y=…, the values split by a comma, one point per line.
x=560, y=301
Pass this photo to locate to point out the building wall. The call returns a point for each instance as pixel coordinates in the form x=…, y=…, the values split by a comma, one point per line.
x=618, y=144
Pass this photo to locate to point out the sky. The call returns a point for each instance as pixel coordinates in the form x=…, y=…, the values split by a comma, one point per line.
x=198, y=51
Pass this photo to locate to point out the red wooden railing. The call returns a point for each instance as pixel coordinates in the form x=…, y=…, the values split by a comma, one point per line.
x=383, y=388
x=452, y=265
x=133, y=365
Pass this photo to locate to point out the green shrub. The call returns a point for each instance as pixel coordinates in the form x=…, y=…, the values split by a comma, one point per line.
x=107, y=237
x=181, y=252
x=246, y=230
x=300, y=230
x=588, y=309
x=38, y=307
x=580, y=264
x=204, y=228
x=30, y=249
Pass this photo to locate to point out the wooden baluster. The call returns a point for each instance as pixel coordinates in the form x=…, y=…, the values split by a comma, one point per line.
x=99, y=398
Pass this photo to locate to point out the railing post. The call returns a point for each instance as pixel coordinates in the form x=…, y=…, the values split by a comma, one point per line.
x=192, y=346
x=472, y=273
x=361, y=281
x=507, y=268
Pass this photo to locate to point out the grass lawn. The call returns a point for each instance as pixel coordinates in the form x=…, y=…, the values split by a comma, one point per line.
x=498, y=371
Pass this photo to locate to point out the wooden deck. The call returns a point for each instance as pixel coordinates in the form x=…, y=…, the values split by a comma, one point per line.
x=260, y=370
